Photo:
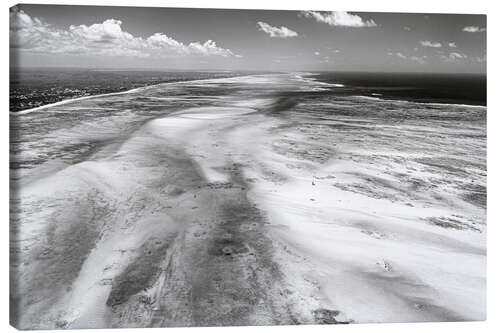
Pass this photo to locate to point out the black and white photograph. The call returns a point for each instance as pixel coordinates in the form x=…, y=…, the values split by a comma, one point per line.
x=198, y=167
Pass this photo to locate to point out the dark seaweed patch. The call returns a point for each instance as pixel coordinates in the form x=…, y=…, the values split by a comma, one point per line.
x=325, y=316
x=140, y=274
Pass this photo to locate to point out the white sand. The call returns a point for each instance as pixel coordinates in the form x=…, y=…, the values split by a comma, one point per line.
x=358, y=222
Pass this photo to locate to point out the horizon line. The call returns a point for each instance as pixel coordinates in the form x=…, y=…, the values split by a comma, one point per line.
x=146, y=69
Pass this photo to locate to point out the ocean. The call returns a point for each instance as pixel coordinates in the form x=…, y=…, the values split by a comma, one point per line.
x=35, y=87
x=31, y=88
x=450, y=88
x=249, y=199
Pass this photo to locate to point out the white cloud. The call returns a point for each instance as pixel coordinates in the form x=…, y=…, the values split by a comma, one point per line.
x=473, y=29
x=108, y=30
x=427, y=43
x=407, y=28
x=159, y=40
x=316, y=53
x=454, y=56
x=20, y=20
x=452, y=44
x=421, y=60
x=401, y=55
x=339, y=19
x=481, y=59
x=209, y=48
x=281, y=32
x=103, y=39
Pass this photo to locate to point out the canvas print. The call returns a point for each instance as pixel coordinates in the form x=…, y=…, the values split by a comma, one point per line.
x=222, y=167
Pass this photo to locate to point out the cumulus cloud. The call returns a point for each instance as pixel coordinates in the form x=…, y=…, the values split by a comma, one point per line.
x=103, y=39
x=427, y=43
x=454, y=56
x=31, y=33
x=473, y=29
x=458, y=55
x=339, y=19
x=452, y=44
x=19, y=20
x=407, y=28
x=109, y=30
x=421, y=60
x=401, y=55
x=209, y=48
x=159, y=40
x=481, y=59
x=281, y=32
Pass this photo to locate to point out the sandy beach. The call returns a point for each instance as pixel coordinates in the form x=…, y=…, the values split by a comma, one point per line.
x=256, y=206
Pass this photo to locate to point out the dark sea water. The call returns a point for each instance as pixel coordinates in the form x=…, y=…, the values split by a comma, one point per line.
x=467, y=89
x=30, y=88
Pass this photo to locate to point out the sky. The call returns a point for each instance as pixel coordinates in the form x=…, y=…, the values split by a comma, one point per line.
x=219, y=39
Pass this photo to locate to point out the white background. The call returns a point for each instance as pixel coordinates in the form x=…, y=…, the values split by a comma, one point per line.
x=491, y=8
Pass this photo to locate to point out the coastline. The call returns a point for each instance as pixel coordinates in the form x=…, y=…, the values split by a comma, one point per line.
x=218, y=198
x=301, y=76
x=76, y=99
x=71, y=100
x=410, y=87
x=422, y=103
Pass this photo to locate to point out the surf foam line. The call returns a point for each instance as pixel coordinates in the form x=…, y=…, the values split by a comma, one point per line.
x=72, y=100
x=371, y=98
x=300, y=76
x=67, y=101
